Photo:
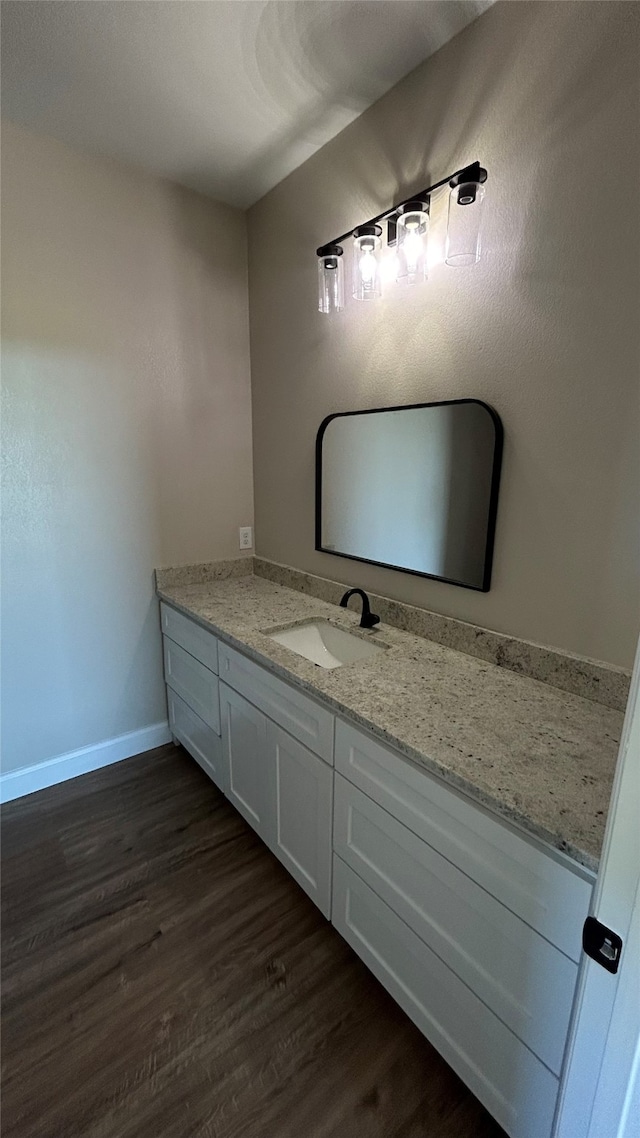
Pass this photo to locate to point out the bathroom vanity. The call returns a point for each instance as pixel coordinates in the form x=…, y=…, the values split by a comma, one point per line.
x=443, y=869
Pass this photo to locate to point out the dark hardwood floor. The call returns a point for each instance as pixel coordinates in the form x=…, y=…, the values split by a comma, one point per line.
x=164, y=977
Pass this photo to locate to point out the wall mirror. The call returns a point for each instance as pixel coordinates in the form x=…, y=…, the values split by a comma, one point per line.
x=412, y=488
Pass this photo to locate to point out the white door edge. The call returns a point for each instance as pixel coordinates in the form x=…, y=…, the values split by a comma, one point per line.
x=600, y=1080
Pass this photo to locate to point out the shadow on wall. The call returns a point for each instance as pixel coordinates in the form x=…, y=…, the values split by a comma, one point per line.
x=123, y=447
x=141, y=673
x=544, y=95
x=209, y=285
x=205, y=412
x=538, y=259
x=308, y=64
x=387, y=165
x=562, y=284
x=393, y=164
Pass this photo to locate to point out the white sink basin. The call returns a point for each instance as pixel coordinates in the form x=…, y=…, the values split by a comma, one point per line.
x=324, y=644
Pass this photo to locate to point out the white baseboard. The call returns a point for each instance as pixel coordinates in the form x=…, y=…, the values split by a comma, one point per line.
x=15, y=784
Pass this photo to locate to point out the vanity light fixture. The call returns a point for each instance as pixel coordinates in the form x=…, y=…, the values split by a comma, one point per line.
x=407, y=230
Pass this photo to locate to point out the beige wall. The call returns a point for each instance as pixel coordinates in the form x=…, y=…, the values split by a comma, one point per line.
x=126, y=428
x=545, y=328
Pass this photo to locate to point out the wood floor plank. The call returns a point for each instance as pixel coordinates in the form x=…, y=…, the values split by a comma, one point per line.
x=164, y=977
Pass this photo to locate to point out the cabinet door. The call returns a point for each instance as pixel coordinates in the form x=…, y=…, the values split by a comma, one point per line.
x=303, y=814
x=248, y=764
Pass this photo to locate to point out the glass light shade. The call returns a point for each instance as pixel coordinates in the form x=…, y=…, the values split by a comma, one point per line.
x=411, y=236
x=331, y=281
x=367, y=267
x=463, y=227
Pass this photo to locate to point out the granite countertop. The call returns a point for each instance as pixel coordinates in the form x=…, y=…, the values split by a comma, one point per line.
x=540, y=757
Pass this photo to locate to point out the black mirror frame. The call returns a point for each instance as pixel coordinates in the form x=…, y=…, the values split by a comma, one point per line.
x=493, y=499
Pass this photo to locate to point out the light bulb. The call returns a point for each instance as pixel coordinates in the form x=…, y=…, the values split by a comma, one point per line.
x=412, y=229
x=412, y=249
x=367, y=273
x=367, y=268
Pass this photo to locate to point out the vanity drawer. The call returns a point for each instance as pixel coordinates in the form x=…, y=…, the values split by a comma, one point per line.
x=197, y=738
x=517, y=1089
x=546, y=893
x=189, y=635
x=196, y=685
x=289, y=708
x=527, y=982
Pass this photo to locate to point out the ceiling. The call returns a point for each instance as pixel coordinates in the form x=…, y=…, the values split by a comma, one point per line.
x=225, y=96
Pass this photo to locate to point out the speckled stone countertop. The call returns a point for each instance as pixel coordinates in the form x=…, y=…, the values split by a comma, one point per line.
x=540, y=757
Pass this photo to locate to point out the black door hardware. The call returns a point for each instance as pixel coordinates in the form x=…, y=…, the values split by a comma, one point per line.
x=601, y=944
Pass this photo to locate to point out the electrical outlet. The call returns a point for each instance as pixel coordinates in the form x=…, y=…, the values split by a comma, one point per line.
x=246, y=537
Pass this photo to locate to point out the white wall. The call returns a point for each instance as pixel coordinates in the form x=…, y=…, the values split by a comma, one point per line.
x=544, y=328
x=126, y=432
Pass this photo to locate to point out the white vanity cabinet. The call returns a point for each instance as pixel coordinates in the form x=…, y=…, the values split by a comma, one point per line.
x=190, y=669
x=265, y=745
x=282, y=788
x=278, y=747
x=472, y=926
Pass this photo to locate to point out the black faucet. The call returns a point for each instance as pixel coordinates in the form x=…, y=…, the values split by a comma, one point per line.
x=368, y=618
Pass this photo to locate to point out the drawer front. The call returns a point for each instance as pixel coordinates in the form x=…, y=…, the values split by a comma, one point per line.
x=546, y=894
x=190, y=636
x=196, y=685
x=289, y=708
x=527, y=982
x=197, y=738
x=516, y=1088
